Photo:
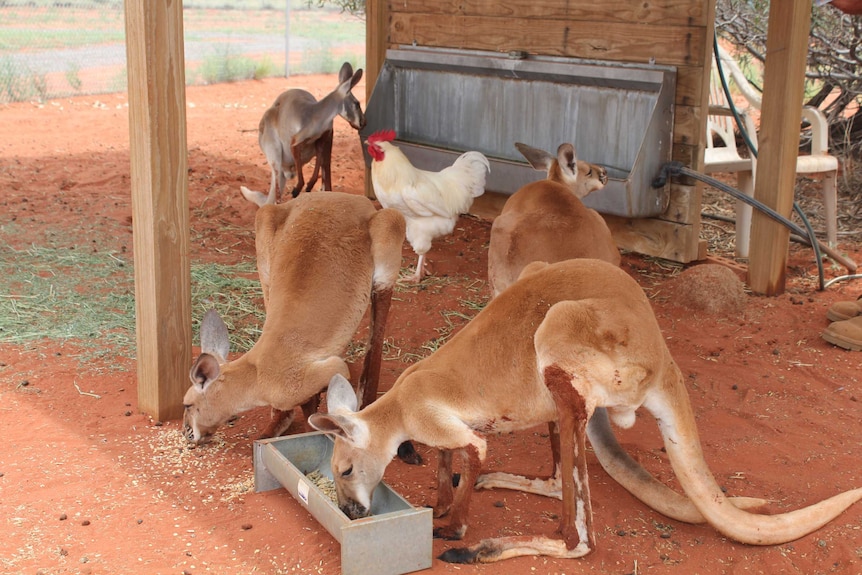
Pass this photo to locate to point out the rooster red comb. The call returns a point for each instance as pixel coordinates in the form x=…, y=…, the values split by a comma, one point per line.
x=381, y=136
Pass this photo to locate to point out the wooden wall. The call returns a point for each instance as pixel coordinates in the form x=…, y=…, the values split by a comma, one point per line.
x=669, y=32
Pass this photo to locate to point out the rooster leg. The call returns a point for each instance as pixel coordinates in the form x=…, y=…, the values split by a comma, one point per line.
x=420, y=270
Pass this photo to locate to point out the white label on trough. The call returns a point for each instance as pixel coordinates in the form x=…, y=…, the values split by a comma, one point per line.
x=302, y=491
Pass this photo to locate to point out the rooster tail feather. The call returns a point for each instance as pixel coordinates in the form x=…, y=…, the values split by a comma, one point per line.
x=475, y=166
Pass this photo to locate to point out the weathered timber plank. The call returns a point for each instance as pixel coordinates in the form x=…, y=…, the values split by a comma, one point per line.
x=666, y=12
x=687, y=125
x=659, y=238
x=627, y=42
x=684, y=206
x=690, y=85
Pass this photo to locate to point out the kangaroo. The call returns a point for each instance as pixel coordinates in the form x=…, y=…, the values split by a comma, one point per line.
x=547, y=221
x=566, y=342
x=321, y=259
x=297, y=128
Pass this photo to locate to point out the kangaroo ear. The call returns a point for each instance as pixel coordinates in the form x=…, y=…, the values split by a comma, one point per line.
x=539, y=159
x=345, y=73
x=347, y=85
x=340, y=395
x=568, y=160
x=347, y=427
x=205, y=370
x=214, y=337
x=355, y=79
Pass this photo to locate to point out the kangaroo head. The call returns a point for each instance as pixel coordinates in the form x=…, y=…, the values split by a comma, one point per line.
x=591, y=178
x=358, y=461
x=350, y=109
x=201, y=417
x=580, y=177
x=206, y=405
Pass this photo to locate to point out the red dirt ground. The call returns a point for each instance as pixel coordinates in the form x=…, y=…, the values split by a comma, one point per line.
x=88, y=484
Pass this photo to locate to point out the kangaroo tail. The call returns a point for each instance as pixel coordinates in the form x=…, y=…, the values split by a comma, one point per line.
x=677, y=424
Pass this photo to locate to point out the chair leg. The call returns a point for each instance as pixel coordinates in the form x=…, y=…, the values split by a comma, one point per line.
x=745, y=182
x=830, y=207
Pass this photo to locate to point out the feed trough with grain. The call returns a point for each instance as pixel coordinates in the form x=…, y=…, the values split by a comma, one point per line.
x=300, y=463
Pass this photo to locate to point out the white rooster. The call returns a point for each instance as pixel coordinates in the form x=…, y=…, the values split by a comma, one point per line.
x=430, y=201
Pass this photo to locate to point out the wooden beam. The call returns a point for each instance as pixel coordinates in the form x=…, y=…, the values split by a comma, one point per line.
x=656, y=237
x=783, y=86
x=160, y=205
x=629, y=42
x=376, y=43
x=665, y=12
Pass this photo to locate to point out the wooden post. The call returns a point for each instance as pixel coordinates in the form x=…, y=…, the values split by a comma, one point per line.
x=786, y=57
x=376, y=42
x=160, y=205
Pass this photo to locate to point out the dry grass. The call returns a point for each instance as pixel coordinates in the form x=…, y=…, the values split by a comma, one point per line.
x=60, y=293
x=719, y=210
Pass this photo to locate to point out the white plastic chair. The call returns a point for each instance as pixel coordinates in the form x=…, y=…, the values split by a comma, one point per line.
x=720, y=123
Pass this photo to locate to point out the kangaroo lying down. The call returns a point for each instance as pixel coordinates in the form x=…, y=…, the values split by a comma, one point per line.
x=566, y=342
x=547, y=221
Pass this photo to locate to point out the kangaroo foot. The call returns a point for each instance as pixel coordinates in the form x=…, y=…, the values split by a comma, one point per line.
x=408, y=454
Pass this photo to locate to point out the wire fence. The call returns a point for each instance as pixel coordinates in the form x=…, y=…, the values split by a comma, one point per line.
x=52, y=49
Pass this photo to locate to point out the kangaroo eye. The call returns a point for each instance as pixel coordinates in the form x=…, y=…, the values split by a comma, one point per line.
x=347, y=472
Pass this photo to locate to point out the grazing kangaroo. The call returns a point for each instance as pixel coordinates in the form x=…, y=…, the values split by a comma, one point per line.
x=321, y=260
x=297, y=128
x=567, y=342
x=547, y=221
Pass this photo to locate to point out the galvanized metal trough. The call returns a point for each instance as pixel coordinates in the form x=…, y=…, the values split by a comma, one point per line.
x=395, y=539
x=443, y=102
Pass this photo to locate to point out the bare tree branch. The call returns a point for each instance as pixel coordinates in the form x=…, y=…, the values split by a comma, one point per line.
x=834, y=76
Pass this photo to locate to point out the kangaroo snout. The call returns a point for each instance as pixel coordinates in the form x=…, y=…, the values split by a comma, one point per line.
x=358, y=122
x=189, y=434
x=355, y=510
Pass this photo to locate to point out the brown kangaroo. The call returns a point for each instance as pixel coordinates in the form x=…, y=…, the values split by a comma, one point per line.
x=547, y=221
x=321, y=259
x=563, y=343
x=297, y=128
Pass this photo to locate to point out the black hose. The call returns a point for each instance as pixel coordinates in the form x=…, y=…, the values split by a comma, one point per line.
x=729, y=97
x=671, y=169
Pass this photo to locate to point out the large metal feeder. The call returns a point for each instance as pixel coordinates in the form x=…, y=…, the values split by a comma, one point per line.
x=395, y=539
x=443, y=102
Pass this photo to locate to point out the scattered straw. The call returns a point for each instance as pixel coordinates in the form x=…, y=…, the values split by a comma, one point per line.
x=63, y=293
x=235, y=293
